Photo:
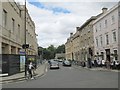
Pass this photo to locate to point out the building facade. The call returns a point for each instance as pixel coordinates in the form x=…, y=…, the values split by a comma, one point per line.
x=76, y=47
x=60, y=56
x=13, y=31
x=86, y=40
x=106, y=35
x=69, y=48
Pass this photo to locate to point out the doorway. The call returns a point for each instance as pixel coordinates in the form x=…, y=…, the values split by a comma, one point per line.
x=107, y=54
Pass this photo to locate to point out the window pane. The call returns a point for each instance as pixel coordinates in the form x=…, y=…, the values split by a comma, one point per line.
x=107, y=39
x=4, y=18
x=13, y=24
x=114, y=36
x=115, y=52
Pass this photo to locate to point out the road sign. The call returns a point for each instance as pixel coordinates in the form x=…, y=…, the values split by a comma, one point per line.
x=22, y=51
x=24, y=46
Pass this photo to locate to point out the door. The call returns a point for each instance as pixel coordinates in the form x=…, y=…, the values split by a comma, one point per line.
x=108, y=54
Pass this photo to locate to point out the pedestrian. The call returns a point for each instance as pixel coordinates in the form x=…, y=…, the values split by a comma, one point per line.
x=99, y=63
x=117, y=64
x=34, y=69
x=108, y=64
x=95, y=63
x=112, y=65
x=103, y=63
x=30, y=66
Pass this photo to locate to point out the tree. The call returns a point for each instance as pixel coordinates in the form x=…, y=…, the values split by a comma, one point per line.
x=52, y=51
x=49, y=53
x=61, y=49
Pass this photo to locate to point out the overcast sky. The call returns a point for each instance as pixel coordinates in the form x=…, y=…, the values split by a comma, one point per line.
x=56, y=19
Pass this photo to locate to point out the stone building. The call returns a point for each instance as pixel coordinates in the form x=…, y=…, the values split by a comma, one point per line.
x=86, y=39
x=13, y=31
x=76, y=47
x=107, y=34
x=69, y=48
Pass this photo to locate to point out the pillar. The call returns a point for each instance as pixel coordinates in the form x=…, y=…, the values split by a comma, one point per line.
x=8, y=49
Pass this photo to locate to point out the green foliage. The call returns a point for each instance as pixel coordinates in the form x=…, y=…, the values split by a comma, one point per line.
x=61, y=49
x=49, y=53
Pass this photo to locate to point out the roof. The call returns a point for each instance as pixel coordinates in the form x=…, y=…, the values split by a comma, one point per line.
x=87, y=22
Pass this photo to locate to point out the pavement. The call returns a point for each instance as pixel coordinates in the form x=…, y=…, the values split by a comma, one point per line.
x=97, y=68
x=20, y=76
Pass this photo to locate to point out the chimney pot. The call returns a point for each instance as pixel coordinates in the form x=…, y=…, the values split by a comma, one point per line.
x=104, y=10
x=71, y=34
x=77, y=28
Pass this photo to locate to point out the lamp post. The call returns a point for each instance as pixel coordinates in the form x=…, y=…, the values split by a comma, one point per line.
x=25, y=42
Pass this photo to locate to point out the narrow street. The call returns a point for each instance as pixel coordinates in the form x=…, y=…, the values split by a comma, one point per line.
x=70, y=77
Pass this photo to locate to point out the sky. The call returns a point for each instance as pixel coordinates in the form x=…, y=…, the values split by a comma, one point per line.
x=56, y=19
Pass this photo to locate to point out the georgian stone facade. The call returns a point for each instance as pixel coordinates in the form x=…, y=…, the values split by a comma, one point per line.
x=106, y=35
x=98, y=37
x=69, y=48
x=86, y=39
x=13, y=31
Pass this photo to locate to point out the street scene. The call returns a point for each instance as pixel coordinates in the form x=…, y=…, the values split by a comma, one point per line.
x=59, y=44
x=70, y=77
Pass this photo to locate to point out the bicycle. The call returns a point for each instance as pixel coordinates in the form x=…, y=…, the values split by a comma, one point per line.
x=28, y=77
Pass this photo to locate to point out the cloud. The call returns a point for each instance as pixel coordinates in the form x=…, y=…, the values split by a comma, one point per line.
x=55, y=28
x=55, y=10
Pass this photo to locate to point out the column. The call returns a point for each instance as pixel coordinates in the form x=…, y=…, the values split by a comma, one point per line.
x=16, y=50
x=8, y=49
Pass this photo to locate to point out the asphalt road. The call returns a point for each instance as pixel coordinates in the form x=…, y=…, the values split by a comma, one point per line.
x=70, y=77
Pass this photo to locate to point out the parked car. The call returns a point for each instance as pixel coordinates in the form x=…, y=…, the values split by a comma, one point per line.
x=54, y=65
x=66, y=63
x=60, y=60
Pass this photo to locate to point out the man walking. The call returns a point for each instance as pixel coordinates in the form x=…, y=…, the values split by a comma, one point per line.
x=30, y=66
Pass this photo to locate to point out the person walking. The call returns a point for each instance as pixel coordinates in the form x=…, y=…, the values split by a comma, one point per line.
x=108, y=64
x=103, y=63
x=30, y=66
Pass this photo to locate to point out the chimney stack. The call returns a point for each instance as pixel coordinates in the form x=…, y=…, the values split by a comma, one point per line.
x=104, y=10
x=77, y=28
x=71, y=34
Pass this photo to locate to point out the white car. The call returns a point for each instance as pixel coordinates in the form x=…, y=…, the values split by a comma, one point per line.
x=54, y=65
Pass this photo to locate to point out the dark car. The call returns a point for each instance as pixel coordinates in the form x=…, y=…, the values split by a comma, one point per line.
x=54, y=65
x=66, y=63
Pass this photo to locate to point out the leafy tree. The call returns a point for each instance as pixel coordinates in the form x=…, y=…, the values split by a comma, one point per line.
x=61, y=49
x=49, y=53
x=52, y=50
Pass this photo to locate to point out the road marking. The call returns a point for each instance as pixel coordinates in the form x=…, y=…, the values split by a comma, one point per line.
x=46, y=70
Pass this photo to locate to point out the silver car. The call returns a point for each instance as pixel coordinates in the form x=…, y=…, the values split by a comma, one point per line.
x=54, y=65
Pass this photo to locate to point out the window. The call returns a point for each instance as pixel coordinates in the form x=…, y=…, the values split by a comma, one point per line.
x=102, y=55
x=97, y=42
x=20, y=13
x=107, y=39
x=101, y=40
x=113, y=19
x=105, y=23
x=115, y=52
x=114, y=36
x=96, y=28
x=18, y=30
x=4, y=18
x=100, y=26
x=13, y=25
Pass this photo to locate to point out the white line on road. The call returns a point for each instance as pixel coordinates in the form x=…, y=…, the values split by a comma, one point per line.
x=46, y=70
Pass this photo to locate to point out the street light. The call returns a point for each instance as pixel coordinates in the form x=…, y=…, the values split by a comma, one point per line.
x=25, y=41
